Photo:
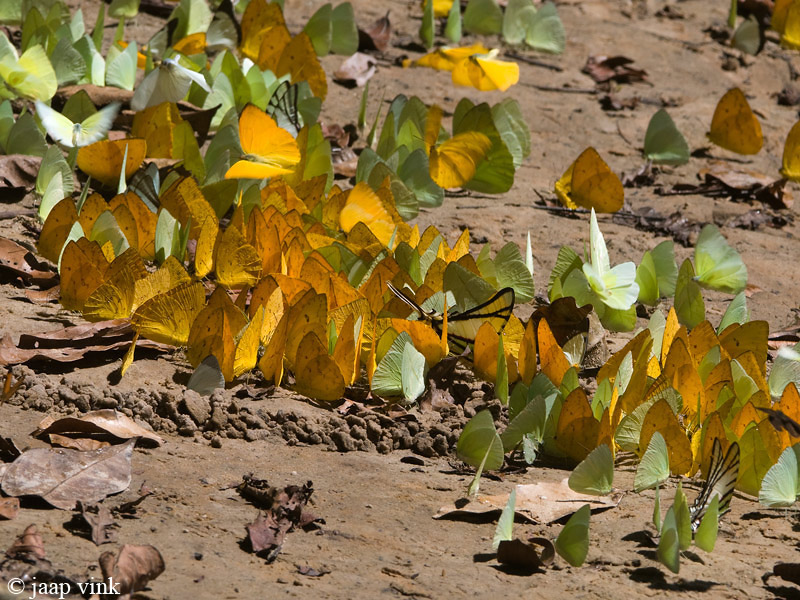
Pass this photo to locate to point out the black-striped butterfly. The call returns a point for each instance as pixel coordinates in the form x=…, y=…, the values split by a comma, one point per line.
x=722, y=475
x=283, y=107
x=462, y=327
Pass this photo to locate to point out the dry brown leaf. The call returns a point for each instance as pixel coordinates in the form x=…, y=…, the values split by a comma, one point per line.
x=17, y=262
x=377, y=36
x=9, y=508
x=73, y=343
x=613, y=68
x=82, y=444
x=284, y=512
x=102, y=527
x=132, y=569
x=356, y=70
x=18, y=172
x=543, y=502
x=526, y=556
x=62, y=477
x=30, y=543
x=97, y=422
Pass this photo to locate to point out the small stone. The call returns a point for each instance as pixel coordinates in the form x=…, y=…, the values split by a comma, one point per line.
x=343, y=441
x=196, y=406
x=216, y=442
x=423, y=445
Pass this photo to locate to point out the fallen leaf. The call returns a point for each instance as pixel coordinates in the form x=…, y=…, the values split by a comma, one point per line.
x=96, y=423
x=755, y=218
x=82, y=444
x=525, y=556
x=73, y=343
x=9, y=508
x=8, y=450
x=267, y=533
x=133, y=568
x=62, y=477
x=97, y=519
x=377, y=36
x=18, y=173
x=613, y=68
x=30, y=543
x=356, y=70
x=19, y=262
x=543, y=503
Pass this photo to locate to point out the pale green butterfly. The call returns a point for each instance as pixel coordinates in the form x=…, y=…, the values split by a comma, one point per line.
x=401, y=372
x=207, y=377
x=737, y=312
x=747, y=36
x=546, y=31
x=519, y=15
x=616, y=287
x=505, y=524
x=653, y=469
x=779, y=488
x=92, y=129
x=595, y=473
x=663, y=142
x=718, y=266
x=705, y=537
x=30, y=75
x=668, y=551
x=572, y=544
x=169, y=82
x=785, y=370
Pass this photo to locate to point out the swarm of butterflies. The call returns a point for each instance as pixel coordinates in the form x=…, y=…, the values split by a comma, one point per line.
x=249, y=256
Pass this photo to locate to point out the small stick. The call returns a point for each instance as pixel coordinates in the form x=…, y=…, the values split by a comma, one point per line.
x=534, y=62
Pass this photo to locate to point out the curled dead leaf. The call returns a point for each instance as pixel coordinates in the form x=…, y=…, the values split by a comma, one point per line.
x=98, y=424
x=377, y=36
x=356, y=70
x=62, y=477
x=532, y=555
x=133, y=568
x=29, y=543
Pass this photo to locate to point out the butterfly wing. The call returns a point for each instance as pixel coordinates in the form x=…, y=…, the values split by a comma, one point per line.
x=722, y=476
x=58, y=127
x=283, y=107
x=96, y=126
x=463, y=327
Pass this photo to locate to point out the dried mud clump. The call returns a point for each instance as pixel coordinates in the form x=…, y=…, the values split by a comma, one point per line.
x=173, y=409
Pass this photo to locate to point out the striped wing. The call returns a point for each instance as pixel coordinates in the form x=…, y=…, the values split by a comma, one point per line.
x=722, y=476
x=462, y=327
x=283, y=107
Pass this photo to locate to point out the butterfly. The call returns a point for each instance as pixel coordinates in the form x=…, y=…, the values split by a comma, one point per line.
x=63, y=130
x=781, y=422
x=462, y=327
x=722, y=476
x=283, y=107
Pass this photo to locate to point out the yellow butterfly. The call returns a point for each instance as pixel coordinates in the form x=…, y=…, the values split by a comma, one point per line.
x=734, y=126
x=485, y=72
x=590, y=183
x=462, y=327
x=791, y=154
x=269, y=150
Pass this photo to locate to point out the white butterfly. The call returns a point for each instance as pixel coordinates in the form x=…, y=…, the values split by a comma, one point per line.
x=92, y=129
x=169, y=82
x=616, y=287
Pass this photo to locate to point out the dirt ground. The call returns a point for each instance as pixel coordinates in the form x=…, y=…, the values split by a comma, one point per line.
x=379, y=538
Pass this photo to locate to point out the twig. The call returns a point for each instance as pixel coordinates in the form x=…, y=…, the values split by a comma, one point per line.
x=534, y=62
x=552, y=88
x=22, y=212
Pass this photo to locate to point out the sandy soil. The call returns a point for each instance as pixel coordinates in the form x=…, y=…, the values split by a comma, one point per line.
x=379, y=538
